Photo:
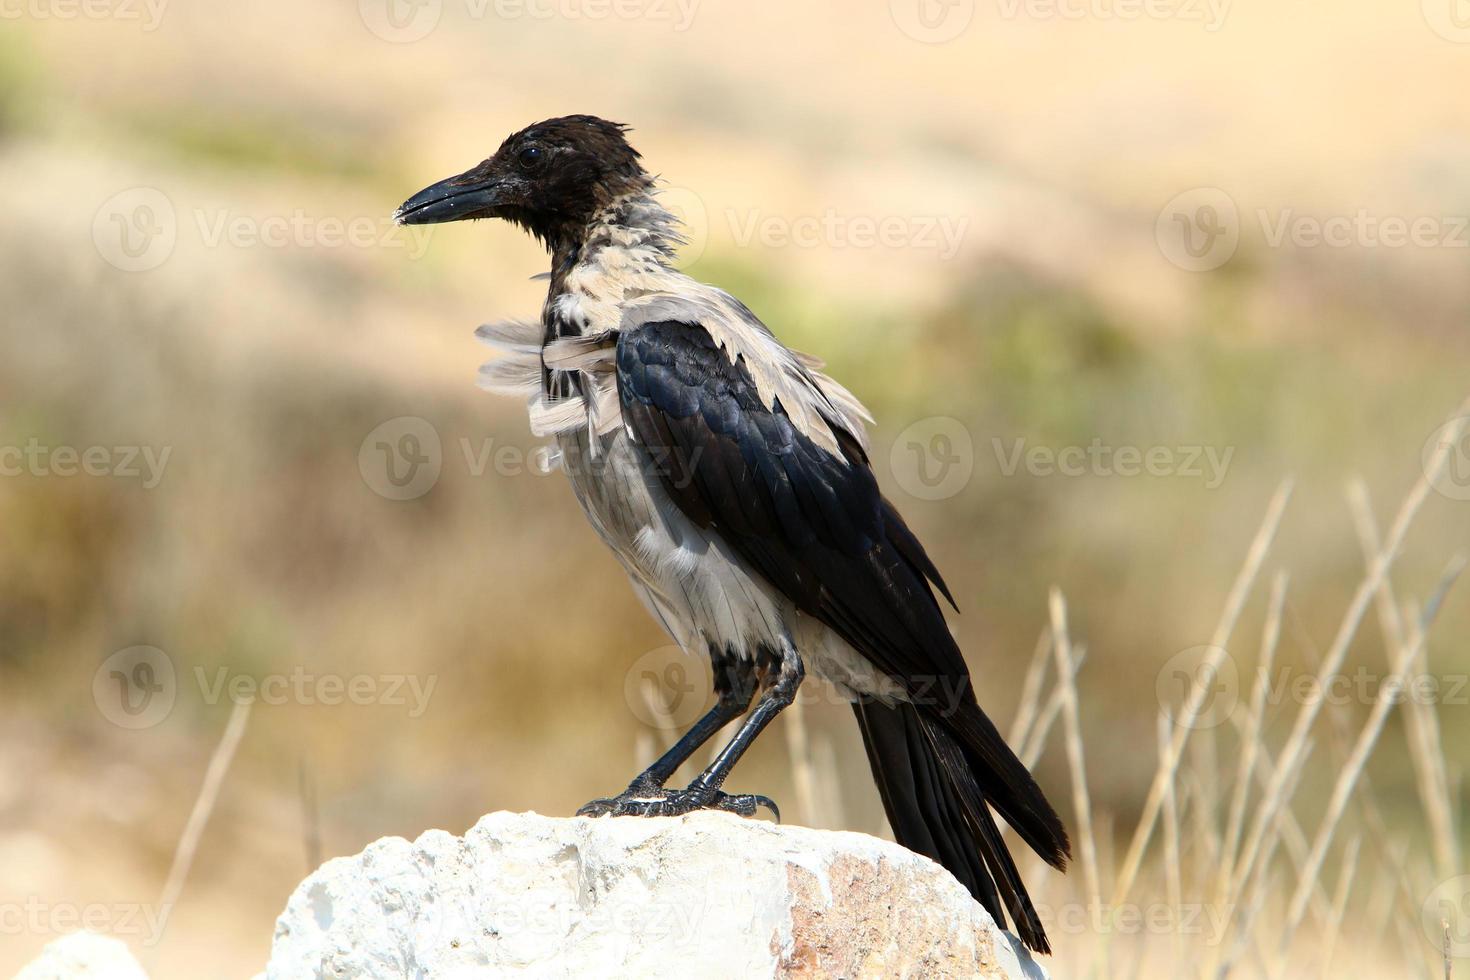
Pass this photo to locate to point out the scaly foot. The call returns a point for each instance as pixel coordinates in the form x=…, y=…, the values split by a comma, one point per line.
x=640, y=801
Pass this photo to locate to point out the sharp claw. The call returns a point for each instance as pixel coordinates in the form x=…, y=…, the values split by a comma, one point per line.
x=745, y=805
x=597, y=808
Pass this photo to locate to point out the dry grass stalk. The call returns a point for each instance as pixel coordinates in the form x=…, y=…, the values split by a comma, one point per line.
x=1030, y=698
x=1345, y=875
x=1337, y=653
x=1189, y=714
x=1347, y=780
x=1209, y=847
x=214, y=779
x=1351, y=768
x=1250, y=738
x=1426, y=750
x=1404, y=897
x=1197, y=806
x=1046, y=718
x=1173, y=864
x=1253, y=891
x=1293, y=838
x=1081, y=801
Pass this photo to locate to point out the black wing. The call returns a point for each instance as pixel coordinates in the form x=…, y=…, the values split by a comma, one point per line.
x=814, y=524
x=817, y=527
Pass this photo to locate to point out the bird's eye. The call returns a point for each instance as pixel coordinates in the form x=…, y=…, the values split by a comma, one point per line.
x=531, y=158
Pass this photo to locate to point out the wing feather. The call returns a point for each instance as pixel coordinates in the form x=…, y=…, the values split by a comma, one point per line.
x=814, y=524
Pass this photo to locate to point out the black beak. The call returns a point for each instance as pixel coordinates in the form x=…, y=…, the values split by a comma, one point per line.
x=467, y=196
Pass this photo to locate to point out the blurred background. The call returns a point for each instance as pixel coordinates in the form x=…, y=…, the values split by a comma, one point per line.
x=1106, y=274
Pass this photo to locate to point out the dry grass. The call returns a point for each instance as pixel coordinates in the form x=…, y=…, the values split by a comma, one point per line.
x=204, y=804
x=1206, y=853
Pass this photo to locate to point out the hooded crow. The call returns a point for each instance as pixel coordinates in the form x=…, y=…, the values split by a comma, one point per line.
x=731, y=479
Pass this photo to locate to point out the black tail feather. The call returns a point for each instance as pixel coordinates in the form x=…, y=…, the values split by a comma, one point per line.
x=1005, y=782
x=920, y=803
x=936, y=790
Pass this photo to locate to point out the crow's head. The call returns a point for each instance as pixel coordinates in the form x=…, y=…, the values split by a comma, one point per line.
x=550, y=178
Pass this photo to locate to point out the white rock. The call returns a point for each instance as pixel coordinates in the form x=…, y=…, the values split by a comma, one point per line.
x=84, y=956
x=708, y=895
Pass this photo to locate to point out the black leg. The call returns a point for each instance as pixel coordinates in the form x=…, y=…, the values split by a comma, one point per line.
x=704, y=793
x=775, y=700
x=734, y=691
x=729, y=707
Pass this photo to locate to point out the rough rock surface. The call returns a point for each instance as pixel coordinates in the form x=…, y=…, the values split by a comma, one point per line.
x=83, y=956
x=707, y=895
